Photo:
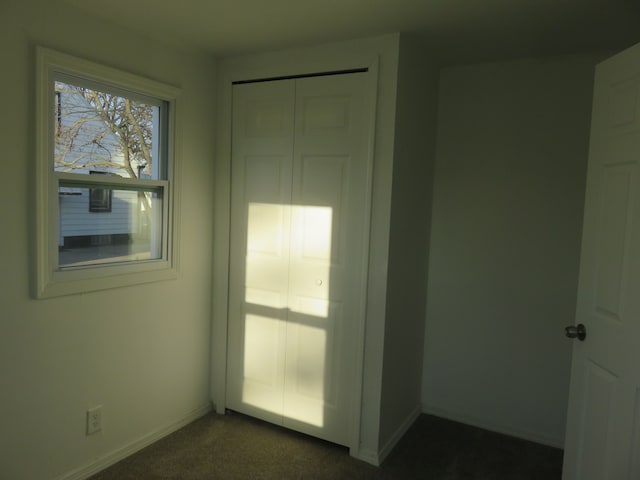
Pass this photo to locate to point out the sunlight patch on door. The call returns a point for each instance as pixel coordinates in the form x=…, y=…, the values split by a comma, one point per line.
x=261, y=359
x=287, y=299
x=265, y=229
x=306, y=392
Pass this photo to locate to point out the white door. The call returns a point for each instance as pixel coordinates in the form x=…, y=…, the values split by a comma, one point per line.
x=299, y=178
x=603, y=425
x=261, y=173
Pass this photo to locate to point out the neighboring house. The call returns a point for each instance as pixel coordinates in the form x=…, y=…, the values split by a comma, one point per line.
x=86, y=145
x=96, y=216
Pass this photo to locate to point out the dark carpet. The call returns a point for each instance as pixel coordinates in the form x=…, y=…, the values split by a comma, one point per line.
x=233, y=446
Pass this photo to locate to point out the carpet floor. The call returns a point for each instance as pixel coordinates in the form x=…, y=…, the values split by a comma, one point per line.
x=234, y=446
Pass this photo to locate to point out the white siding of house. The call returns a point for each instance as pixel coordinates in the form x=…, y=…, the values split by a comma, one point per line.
x=77, y=220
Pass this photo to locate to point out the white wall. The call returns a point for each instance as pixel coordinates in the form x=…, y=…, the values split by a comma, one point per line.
x=142, y=352
x=508, y=199
x=414, y=156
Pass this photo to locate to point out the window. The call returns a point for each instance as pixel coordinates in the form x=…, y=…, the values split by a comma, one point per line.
x=99, y=198
x=104, y=137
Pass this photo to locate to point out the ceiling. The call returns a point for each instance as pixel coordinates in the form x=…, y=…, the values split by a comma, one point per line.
x=460, y=30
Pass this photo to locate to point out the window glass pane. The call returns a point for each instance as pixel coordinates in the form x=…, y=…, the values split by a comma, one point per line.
x=97, y=131
x=130, y=231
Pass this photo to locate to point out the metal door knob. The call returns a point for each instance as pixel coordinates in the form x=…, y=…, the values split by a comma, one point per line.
x=576, y=331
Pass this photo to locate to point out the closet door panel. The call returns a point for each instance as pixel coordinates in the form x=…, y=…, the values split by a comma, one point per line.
x=326, y=261
x=262, y=132
x=311, y=400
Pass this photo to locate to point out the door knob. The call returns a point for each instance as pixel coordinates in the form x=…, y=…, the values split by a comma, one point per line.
x=576, y=331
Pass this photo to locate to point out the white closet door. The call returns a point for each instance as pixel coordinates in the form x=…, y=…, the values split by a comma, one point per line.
x=326, y=269
x=259, y=261
x=296, y=285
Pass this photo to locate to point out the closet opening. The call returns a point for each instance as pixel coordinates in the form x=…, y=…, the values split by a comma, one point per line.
x=299, y=187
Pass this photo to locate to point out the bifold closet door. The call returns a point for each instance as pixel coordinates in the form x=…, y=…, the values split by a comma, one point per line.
x=299, y=176
x=261, y=172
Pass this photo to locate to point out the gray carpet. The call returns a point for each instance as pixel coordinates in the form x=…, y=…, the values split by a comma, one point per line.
x=234, y=446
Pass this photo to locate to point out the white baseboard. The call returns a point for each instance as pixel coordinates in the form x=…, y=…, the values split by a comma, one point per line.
x=368, y=456
x=115, y=456
x=376, y=458
x=398, y=434
x=505, y=430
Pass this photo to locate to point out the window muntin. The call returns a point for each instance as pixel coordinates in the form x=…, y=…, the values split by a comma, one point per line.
x=104, y=140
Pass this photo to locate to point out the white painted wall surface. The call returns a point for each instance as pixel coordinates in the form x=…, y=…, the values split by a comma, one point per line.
x=414, y=157
x=142, y=352
x=508, y=201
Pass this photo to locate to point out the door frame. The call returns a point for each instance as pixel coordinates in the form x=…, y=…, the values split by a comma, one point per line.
x=381, y=86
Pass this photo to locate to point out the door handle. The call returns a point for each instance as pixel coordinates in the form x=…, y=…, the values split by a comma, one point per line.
x=576, y=331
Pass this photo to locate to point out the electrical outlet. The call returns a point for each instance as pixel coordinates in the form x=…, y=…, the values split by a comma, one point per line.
x=94, y=420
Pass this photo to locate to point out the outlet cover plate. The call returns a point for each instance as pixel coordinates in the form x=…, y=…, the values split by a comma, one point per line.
x=94, y=420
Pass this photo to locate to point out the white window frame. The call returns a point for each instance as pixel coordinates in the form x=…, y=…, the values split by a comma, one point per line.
x=51, y=280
